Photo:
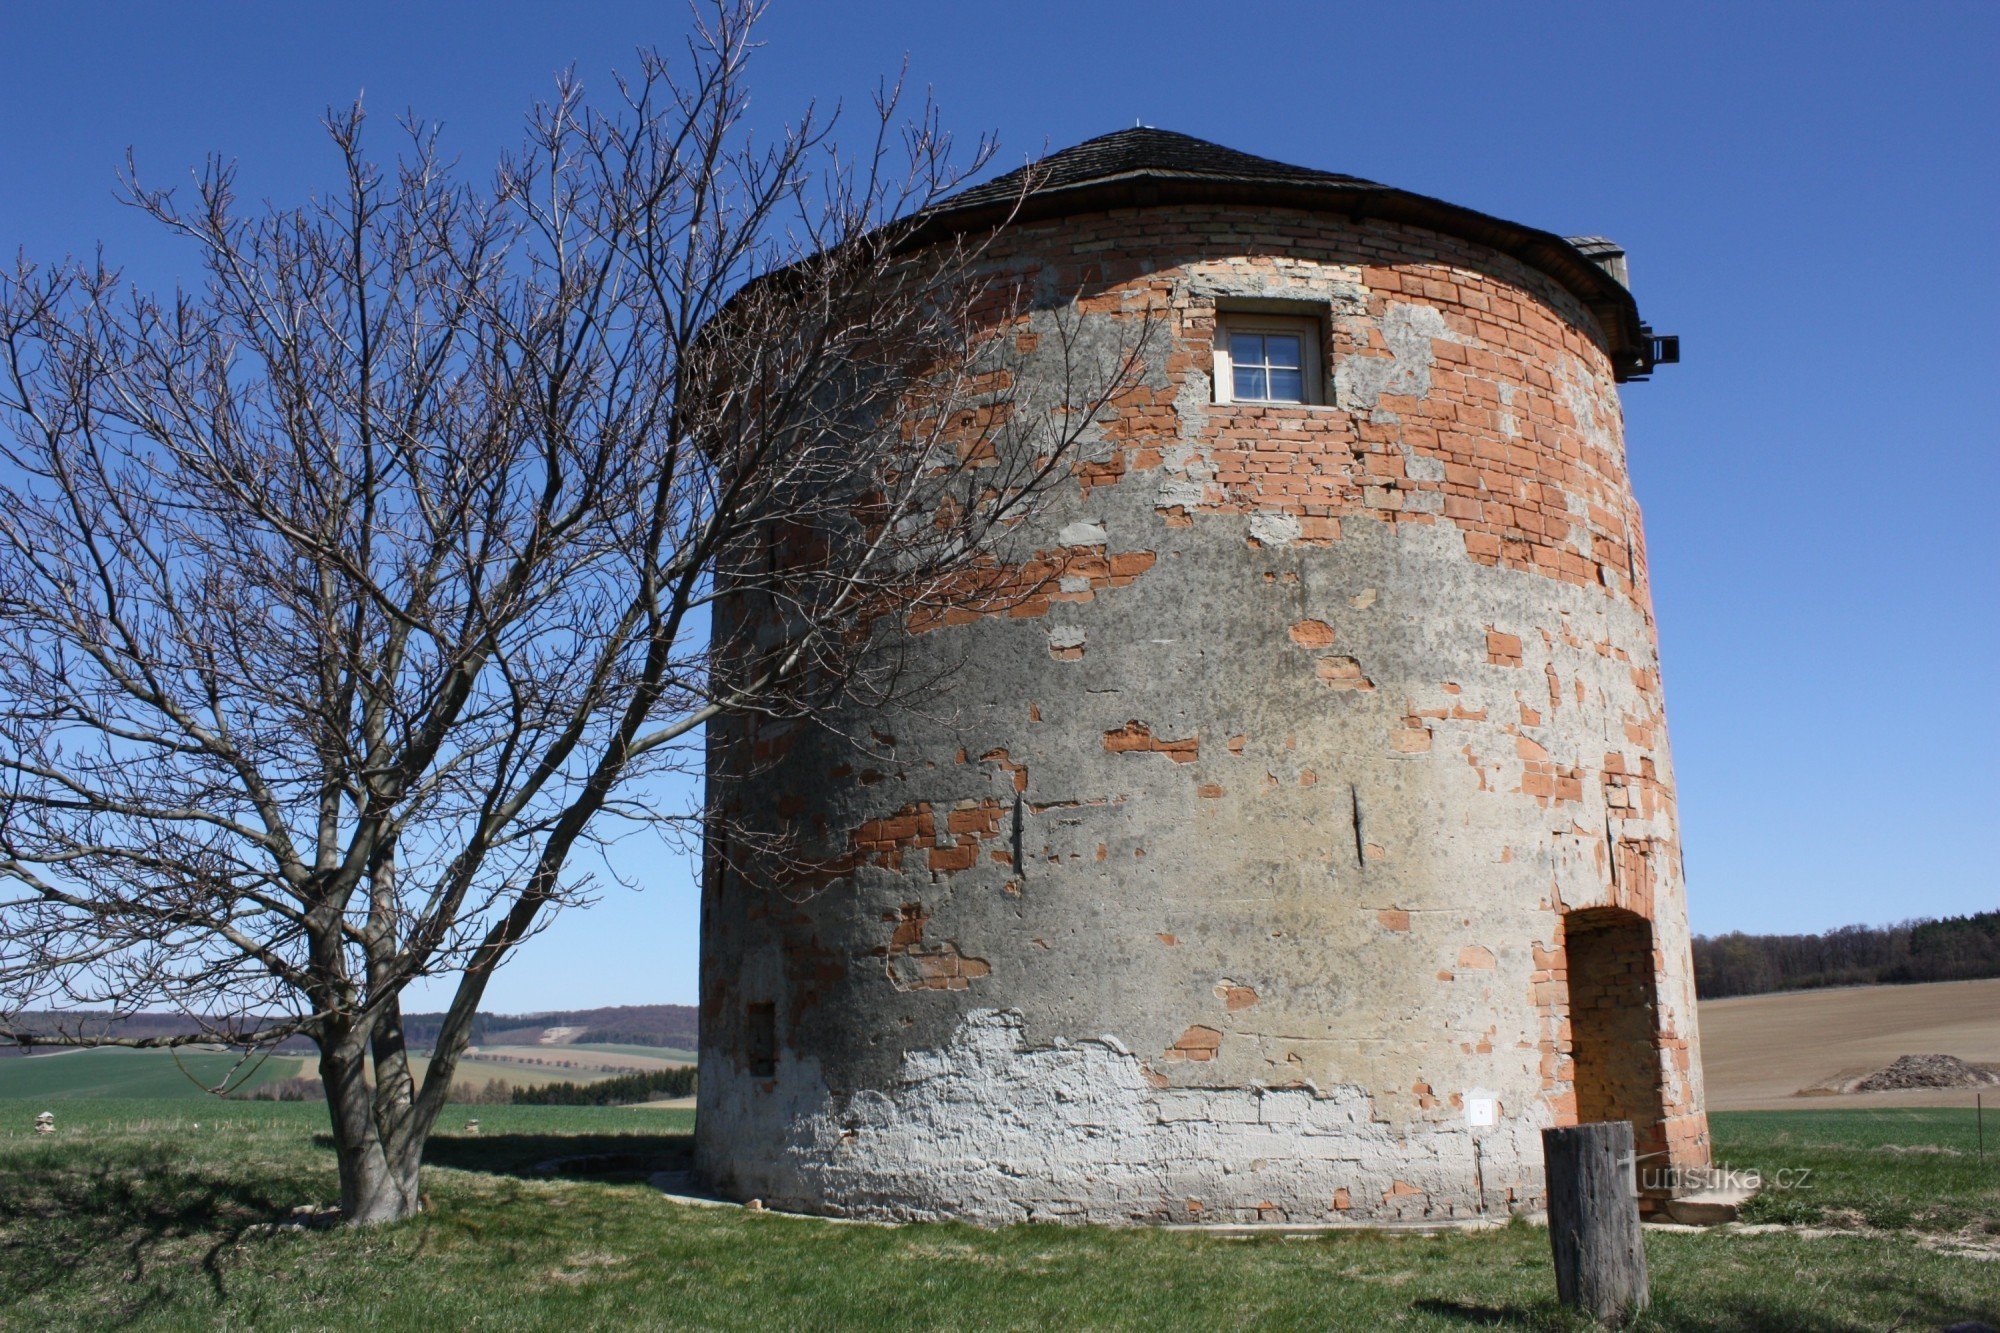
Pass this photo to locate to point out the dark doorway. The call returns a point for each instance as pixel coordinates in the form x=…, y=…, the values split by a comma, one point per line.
x=1614, y=1024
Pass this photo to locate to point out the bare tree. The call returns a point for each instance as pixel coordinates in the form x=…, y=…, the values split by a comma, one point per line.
x=344, y=598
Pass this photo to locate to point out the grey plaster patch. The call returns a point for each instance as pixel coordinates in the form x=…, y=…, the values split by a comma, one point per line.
x=1409, y=330
x=1275, y=529
x=1595, y=420
x=994, y=1129
x=1422, y=467
x=1082, y=534
x=1336, y=287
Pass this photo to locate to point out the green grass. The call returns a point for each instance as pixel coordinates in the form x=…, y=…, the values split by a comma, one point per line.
x=111, y=1072
x=1896, y=1168
x=130, y=1217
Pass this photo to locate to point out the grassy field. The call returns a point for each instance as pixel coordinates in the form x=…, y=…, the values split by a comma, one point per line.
x=479, y=1072
x=533, y=1066
x=1895, y=1169
x=585, y=1061
x=108, y=1072
x=132, y=1217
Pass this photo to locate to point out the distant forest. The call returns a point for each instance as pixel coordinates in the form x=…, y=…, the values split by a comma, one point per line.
x=1957, y=948
x=618, y=1090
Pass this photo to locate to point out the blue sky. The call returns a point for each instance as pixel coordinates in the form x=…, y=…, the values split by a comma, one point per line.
x=1809, y=194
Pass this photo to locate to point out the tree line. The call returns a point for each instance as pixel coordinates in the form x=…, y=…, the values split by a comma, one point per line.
x=1958, y=948
x=618, y=1090
x=308, y=1088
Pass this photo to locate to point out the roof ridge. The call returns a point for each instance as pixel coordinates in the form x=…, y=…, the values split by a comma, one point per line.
x=1141, y=150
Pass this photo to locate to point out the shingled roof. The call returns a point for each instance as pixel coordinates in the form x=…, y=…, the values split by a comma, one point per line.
x=1149, y=154
x=1145, y=166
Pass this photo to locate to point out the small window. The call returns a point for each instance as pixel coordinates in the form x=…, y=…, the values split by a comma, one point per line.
x=1266, y=359
x=760, y=1040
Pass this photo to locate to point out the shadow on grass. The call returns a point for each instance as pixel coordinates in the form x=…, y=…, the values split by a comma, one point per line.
x=607, y=1157
x=1483, y=1316
x=112, y=1215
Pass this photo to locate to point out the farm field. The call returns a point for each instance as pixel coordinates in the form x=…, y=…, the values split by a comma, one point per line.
x=110, y=1072
x=1759, y=1051
x=480, y=1072
x=534, y=1066
x=129, y=1216
x=113, y=1072
x=584, y=1061
x=672, y=1055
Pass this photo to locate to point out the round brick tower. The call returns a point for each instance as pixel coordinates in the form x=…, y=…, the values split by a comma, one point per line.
x=1305, y=843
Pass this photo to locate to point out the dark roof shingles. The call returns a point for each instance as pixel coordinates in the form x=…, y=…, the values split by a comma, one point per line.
x=1143, y=151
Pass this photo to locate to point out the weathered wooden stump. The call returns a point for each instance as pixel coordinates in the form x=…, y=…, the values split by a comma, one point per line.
x=1594, y=1220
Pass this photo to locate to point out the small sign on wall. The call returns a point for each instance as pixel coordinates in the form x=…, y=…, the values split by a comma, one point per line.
x=1482, y=1110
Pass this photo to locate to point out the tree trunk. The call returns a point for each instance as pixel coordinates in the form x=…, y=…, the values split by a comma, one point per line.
x=376, y=1185
x=1600, y=1255
x=378, y=1155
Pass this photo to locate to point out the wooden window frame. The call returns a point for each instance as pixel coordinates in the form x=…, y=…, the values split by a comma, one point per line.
x=1313, y=359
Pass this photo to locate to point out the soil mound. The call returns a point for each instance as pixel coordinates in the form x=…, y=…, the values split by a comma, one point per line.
x=1927, y=1071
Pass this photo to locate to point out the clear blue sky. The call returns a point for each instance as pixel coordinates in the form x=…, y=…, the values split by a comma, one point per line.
x=1810, y=194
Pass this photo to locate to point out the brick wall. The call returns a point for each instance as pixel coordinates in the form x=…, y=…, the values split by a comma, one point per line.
x=1614, y=1022
x=1276, y=759
x=1490, y=406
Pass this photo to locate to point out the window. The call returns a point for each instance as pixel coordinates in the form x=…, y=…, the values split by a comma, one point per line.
x=1266, y=359
x=1266, y=367
x=760, y=1039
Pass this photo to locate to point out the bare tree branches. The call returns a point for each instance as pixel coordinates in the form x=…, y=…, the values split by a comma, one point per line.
x=342, y=597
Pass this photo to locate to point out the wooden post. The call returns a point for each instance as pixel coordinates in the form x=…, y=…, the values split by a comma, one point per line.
x=1594, y=1219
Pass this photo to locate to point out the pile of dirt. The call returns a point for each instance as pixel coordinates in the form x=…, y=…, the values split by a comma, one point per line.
x=1927, y=1071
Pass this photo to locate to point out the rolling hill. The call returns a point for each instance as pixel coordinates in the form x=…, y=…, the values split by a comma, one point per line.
x=1761, y=1052
x=652, y=1026
x=110, y=1072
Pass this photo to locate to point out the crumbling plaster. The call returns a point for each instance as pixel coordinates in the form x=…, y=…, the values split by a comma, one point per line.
x=1261, y=848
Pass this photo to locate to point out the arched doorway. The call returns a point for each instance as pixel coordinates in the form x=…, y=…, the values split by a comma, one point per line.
x=1614, y=1025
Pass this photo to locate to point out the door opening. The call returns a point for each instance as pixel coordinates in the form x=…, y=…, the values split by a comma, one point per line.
x=1614, y=1026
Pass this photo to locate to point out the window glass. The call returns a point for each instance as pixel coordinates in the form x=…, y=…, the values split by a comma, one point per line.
x=1267, y=367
